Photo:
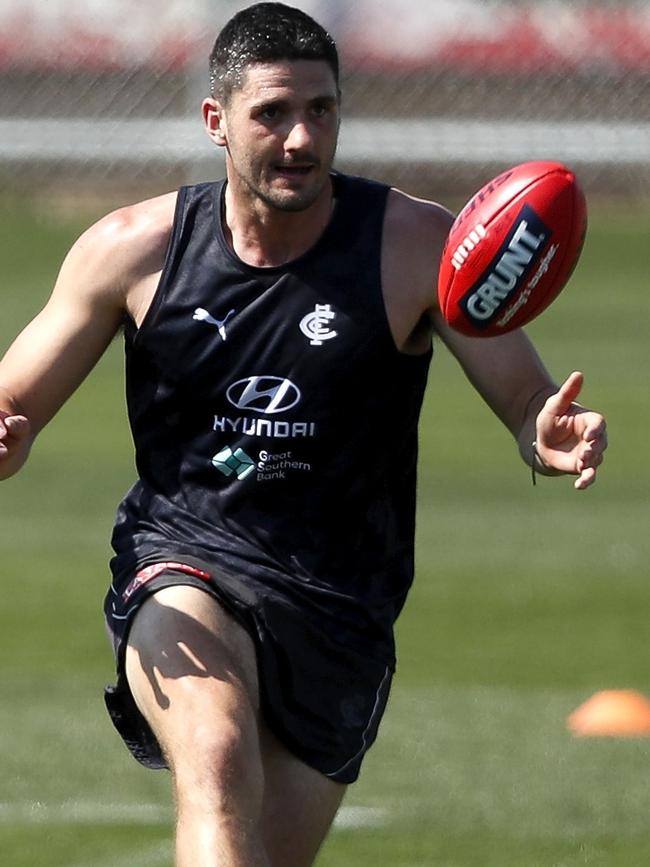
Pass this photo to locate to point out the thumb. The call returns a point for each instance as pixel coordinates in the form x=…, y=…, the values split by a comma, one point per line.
x=560, y=402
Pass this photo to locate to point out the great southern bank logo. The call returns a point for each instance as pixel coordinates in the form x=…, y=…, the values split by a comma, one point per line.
x=231, y=462
x=266, y=394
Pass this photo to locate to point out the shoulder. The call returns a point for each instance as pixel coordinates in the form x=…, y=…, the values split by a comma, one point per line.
x=415, y=231
x=114, y=262
x=414, y=234
x=143, y=221
x=413, y=224
x=127, y=243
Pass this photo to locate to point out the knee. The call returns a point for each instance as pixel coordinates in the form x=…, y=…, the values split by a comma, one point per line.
x=218, y=767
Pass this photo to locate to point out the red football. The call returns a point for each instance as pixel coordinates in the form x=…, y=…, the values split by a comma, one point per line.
x=512, y=249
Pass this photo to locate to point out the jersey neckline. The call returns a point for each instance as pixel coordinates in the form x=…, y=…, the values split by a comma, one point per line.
x=219, y=209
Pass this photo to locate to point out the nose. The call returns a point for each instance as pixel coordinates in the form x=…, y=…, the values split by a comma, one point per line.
x=298, y=136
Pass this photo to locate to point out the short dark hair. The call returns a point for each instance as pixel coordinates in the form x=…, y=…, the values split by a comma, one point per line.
x=262, y=33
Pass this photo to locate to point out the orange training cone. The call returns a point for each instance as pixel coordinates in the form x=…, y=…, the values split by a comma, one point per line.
x=613, y=713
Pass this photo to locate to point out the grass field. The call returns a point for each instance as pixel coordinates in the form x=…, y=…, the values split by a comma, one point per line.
x=527, y=601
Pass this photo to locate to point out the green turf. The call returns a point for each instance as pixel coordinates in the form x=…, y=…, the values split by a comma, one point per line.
x=527, y=601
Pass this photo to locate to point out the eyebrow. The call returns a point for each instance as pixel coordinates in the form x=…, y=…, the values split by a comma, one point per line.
x=328, y=99
x=322, y=99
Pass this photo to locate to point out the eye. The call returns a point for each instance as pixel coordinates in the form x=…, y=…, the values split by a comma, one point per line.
x=269, y=112
x=320, y=109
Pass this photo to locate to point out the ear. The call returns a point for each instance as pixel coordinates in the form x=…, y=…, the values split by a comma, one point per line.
x=214, y=121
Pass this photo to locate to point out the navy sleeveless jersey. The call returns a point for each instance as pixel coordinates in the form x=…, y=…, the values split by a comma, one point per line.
x=274, y=420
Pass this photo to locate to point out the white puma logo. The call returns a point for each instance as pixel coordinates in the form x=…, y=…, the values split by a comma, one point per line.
x=203, y=316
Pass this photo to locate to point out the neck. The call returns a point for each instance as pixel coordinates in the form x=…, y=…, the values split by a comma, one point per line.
x=264, y=236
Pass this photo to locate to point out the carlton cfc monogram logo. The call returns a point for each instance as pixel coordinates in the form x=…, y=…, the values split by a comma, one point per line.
x=315, y=325
x=267, y=394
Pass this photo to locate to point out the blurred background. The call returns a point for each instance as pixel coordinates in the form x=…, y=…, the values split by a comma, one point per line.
x=436, y=94
x=527, y=601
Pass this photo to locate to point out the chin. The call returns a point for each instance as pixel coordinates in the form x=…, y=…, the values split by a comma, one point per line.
x=294, y=203
x=295, y=200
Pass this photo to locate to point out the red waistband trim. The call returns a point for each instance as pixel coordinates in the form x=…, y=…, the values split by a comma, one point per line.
x=148, y=573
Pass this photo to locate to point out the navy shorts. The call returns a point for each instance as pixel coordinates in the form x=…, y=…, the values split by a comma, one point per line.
x=323, y=701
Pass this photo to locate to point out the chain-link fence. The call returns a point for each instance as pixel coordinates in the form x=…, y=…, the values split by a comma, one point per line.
x=98, y=96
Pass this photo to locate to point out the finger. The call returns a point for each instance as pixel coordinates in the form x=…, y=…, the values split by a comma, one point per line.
x=16, y=425
x=590, y=458
x=596, y=432
x=586, y=478
x=12, y=428
x=560, y=402
x=4, y=436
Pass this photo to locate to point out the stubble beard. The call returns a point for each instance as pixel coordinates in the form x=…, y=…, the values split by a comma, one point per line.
x=283, y=200
x=290, y=201
x=294, y=202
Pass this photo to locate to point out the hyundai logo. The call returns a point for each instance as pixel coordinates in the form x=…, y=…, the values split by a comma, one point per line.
x=267, y=394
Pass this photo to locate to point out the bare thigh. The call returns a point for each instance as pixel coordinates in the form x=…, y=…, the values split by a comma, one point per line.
x=181, y=638
x=190, y=665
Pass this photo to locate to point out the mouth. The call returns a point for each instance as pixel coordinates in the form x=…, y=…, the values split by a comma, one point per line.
x=295, y=170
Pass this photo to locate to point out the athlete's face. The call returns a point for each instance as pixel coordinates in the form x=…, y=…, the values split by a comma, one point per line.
x=280, y=130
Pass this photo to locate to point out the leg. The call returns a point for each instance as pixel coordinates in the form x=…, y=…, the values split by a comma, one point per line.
x=192, y=672
x=299, y=806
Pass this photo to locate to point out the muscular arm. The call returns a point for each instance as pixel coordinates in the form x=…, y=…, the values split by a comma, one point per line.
x=506, y=371
x=100, y=281
x=555, y=433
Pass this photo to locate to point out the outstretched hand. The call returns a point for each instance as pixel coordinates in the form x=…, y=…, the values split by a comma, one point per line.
x=570, y=438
